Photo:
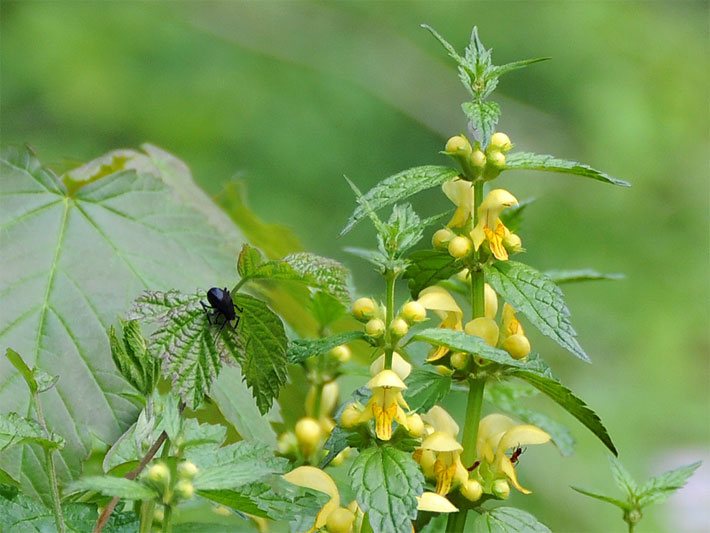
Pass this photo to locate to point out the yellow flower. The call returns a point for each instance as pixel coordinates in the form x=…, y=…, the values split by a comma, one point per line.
x=497, y=434
x=386, y=403
x=399, y=365
x=489, y=227
x=439, y=300
x=512, y=335
x=460, y=192
x=447, y=468
x=313, y=478
x=435, y=503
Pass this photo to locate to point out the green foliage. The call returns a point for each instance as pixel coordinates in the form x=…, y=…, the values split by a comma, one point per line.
x=131, y=357
x=397, y=188
x=121, y=487
x=507, y=520
x=301, y=349
x=548, y=163
x=575, y=276
x=37, y=380
x=16, y=430
x=425, y=389
x=538, y=298
x=386, y=482
x=428, y=267
x=658, y=488
x=513, y=216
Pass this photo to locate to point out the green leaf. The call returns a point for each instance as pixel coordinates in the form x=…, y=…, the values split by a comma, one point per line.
x=548, y=163
x=538, y=298
x=516, y=65
x=425, y=389
x=403, y=230
x=512, y=217
x=74, y=263
x=428, y=267
x=507, y=520
x=16, y=430
x=574, y=276
x=618, y=503
x=621, y=476
x=482, y=119
x=399, y=187
x=260, y=350
x=235, y=465
x=386, y=482
x=301, y=349
x=121, y=487
x=568, y=401
x=248, y=261
x=25, y=371
x=325, y=308
x=658, y=488
x=449, y=48
x=131, y=357
x=7, y=479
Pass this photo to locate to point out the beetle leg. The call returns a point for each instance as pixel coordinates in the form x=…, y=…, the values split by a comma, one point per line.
x=207, y=311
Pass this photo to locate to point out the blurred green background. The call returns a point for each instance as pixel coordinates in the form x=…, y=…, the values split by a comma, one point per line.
x=290, y=96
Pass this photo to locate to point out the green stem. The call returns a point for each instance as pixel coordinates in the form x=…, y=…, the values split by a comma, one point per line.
x=456, y=522
x=51, y=469
x=473, y=417
x=147, y=510
x=631, y=526
x=390, y=278
x=167, y=526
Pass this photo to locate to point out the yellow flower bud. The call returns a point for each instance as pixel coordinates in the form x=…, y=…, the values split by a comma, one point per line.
x=459, y=247
x=460, y=360
x=518, y=346
x=477, y=159
x=440, y=239
x=458, y=144
x=491, y=301
x=350, y=416
x=184, y=489
x=159, y=473
x=463, y=275
x=159, y=515
x=426, y=460
x=364, y=309
x=308, y=434
x=186, y=470
x=443, y=370
x=341, y=353
x=501, y=489
x=399, y=328
x=471, y=490
x=287, y=443
x=327, y=425
x=416, y=425
x=375, y=328
x=483, y=327
x=513, y=243
x=500, y=141
x=338, y=459
x=496, y=160
x=328, y=399
x=413, y=312
x=340, y=521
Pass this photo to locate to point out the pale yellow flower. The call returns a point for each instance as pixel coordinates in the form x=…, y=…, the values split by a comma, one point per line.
x=440, y=301
x=399, y=365
x=314, y=478
x=386, y=403
x=489, y=227
x=441, y=446
x=460, y=193
x=435, y=503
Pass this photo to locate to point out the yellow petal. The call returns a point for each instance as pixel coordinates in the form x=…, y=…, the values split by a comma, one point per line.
x=388, y=379
x=522, y=435
x=435, y=503
x=505, y=466
x=401, y=367
x=441, y=442
x=497, y=200
x=441, y=421
x=438, y=299
x=509, y=324
x=314, y=478
x=461, y=194
x=495, y=240
x=490, y=430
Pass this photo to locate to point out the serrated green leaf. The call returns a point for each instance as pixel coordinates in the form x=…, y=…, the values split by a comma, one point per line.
x=568, y=401
x=449, y=48
x=121, y=487
x=25, y=371
x=386, y=482
x=7, y=479
x=425, y=389
x=507, y=520
x=16, y=430
x=322, y=273
x=248, y=261
x=301, y=349
x=548, y=163
x=325, y=308
x=512, y=217
x=538, y=298
x=516, y=65
x=260, y=350
x=618, y=503
x=78, y=261
x=234, y=465
x=131, y=357
x=428, y=267
x=399, y=187
x=621, y=476
x=482, y=117
x=574, y=276
x=658, y=488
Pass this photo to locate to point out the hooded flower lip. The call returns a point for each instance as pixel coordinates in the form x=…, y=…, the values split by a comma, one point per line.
x=386, y=403
x=497, y=434
x=440, y=301
x=460, y=193
x=446, y=450
x=314, y=478
x=435, y=503
x=400, y=367
x=489, y=227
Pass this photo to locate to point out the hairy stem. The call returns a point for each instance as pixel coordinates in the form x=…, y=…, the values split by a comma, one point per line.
x=167, y=526
x=147, y=510
x=51, y=469
x=390, y=278
x=473, y=416
x=456, y=522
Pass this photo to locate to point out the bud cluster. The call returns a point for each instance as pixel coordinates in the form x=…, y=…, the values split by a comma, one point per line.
x=477, y=162
x=172, y=481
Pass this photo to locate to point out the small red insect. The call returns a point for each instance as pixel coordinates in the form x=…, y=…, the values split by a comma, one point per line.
x=517, y=452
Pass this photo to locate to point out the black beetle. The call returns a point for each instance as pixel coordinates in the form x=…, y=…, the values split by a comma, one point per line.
x=221, y=302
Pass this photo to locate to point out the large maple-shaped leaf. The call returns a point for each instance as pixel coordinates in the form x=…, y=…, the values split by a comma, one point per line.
x=76, y=250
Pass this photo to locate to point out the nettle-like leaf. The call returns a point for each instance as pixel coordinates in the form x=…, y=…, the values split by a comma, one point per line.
x=428, y=267
x=76, y=252
x=621, y=476
x=575, y=276
x=482, y=117
x=403, y=230
x=658, y=488
x=301, y=349
x=507, y=520
x=16, y=430
x=120, y=487
x=387, y=482
x=397, y=188
x=512, y=217
x=36, y=379
x=425, y=389
x=548, y=163
x=130, y=354
x=608, y=499
x=538, y=298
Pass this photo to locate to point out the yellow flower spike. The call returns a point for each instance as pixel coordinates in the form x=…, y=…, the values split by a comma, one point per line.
x=311, y=477
x=386, y=403
x=489, y=227
x=435, y=503
x=460, y=193
x=399, y=365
